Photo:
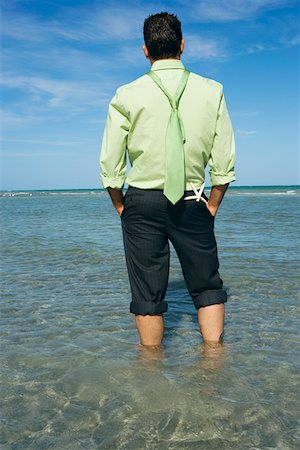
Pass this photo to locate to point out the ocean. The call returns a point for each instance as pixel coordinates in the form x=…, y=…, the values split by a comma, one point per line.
x=73, y=375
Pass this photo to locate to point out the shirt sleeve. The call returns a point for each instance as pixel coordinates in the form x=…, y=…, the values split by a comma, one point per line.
x=222, y=157
x=113, y=149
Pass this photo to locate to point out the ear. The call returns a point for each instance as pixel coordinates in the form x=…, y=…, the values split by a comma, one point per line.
x=182, y=45
x=146, y=53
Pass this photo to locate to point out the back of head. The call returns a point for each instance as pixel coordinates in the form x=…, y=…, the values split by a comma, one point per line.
x=162, y=35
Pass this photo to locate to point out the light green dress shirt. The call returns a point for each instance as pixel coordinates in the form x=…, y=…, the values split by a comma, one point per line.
x=137, y=120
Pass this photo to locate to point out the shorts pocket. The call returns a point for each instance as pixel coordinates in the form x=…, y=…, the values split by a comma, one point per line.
x=203, y=206
x=208, y=211
x=126, y=198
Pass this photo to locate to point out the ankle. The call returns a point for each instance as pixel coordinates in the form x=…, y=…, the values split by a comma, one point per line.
x=213, y=340
x=151, y=346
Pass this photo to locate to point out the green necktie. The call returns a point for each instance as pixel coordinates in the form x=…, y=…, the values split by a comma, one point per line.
x=174, y=185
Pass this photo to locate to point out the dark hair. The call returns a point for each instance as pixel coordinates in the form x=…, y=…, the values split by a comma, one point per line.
x=162, y=35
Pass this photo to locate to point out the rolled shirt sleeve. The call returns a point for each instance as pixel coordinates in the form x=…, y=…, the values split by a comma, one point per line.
x=113, y=149
x=222, y=157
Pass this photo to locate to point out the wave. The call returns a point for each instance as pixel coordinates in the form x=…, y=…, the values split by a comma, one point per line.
x=74, y=193
x=50, y=193
x=255, y=191
x=292, y=192
x=16, y=194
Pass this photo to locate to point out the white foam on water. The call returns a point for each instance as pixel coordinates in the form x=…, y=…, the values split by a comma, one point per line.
x=16, y=194
x=233, y=192
x=255, y=194
x=285, y=193
x=50, y=193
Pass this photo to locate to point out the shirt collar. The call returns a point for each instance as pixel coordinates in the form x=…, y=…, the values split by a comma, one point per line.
x=162, y=64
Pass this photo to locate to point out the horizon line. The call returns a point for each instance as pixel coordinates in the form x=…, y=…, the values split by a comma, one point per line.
x=104, y=189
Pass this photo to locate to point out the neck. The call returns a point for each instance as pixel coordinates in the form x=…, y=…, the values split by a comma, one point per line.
x=163, y=59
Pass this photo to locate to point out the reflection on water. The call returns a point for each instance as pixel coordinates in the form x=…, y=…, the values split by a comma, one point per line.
x=73, y=374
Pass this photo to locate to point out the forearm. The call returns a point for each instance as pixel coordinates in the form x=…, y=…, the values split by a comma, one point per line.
x=216, y=196
x=117, y=198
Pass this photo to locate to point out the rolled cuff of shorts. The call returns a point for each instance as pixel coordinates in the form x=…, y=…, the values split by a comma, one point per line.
x=148, y=308
x=210, y=297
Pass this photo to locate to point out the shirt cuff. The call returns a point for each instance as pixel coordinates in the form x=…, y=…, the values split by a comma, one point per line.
x=115, y=183
x=220, y=179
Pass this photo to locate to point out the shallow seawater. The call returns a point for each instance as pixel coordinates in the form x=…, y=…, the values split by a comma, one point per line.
x=73, y=375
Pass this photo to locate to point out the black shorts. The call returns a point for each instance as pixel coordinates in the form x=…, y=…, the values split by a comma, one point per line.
x=149, y=221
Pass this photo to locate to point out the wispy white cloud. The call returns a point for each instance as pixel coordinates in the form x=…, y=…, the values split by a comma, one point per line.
x=253, y=48
x=231, y=10
x=22, y=27
x=295, y=40
x=10, y=118
x=244, y=113
x=43, y=142
x=19, y=119
x=101, y=23
x=278, y=44
x=69, y=61
x=52, y=93
x=26, y=154
x=129, y=54
x=290, y=41
x=245, y=132
x=79, y=69
x=198, y=47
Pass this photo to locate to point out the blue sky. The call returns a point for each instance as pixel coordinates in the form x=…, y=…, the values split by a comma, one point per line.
x=62, y=61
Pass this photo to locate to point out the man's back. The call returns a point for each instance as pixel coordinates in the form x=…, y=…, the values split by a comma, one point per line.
x=142, y=112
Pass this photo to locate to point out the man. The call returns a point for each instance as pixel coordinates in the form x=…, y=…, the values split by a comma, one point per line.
x=172, y=123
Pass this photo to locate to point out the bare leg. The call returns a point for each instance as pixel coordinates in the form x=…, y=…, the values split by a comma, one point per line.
x=211, y=322
x=150, y=328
